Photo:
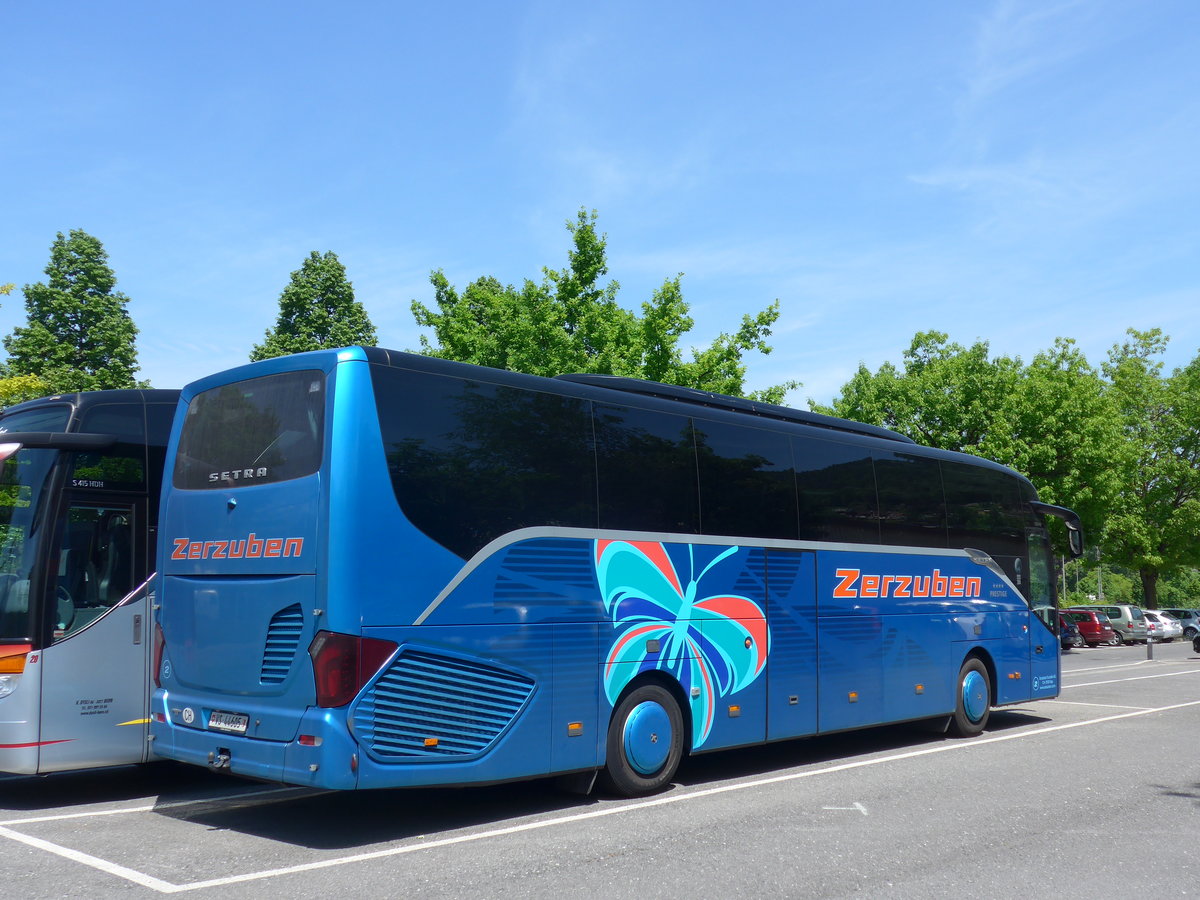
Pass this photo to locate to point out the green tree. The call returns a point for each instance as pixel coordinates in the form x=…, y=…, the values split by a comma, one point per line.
x=1180, y=589
x=1154, y=523
x=317, y=309
x=571, y=322
x=79, y=334
x=1065, y=435
x=1113, y=586
x=20, y=388
x=1051, y=420
x=947, y=395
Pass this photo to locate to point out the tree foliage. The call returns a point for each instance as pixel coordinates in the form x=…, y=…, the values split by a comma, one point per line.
x=1051, y=420
x=571, y=322
x=19, y=388
x=79, y=334
x=317, y=310
x=1119, y=445
x=1154, y=524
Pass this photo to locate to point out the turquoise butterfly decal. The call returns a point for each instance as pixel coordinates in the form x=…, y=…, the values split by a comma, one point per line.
x=714, y=643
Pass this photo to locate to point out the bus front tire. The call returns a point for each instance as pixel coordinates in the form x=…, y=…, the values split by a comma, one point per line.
x=645, y=742
x=974, y=698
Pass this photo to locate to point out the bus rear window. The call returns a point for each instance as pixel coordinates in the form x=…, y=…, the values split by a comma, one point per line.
x=259, y=431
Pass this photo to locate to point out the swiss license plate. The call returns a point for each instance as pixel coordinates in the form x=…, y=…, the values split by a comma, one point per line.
x=227, y=721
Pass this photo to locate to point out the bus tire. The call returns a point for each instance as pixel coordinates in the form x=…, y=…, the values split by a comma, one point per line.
x=973, y=698
x=645, y=742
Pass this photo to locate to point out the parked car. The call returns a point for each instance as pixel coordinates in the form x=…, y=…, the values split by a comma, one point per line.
x=1167, y=628
x=1188, y=618
x=1128, y=621
x=1068, y=632
x=1093, y=626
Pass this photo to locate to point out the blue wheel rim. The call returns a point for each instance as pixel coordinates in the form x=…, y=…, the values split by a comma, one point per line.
x=974, y=695
x=647, y=737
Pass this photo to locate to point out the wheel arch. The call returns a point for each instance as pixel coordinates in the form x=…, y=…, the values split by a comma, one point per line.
x=673, y=687
x=981, y=654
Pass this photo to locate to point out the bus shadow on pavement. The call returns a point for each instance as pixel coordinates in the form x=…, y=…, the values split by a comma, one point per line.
x=355, y=820
x=350, y=820
x=771, y=759
x=89, y=787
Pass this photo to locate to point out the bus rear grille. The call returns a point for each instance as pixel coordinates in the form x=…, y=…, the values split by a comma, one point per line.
x=283, y=637
x=430, y=706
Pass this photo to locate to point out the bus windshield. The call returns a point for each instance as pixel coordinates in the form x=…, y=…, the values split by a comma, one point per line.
x=23, y=518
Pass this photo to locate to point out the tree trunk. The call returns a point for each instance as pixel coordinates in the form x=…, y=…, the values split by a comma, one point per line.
x=1149, y=588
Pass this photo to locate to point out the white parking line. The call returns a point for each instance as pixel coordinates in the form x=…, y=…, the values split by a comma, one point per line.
x=1125, y=665
x=1101, y=705
x=681, y=797
x=1137, y=678
x=163, y=887
x=229, y=801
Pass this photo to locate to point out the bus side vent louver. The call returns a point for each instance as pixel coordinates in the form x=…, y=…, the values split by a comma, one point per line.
x=429, y=706
x=283, y=637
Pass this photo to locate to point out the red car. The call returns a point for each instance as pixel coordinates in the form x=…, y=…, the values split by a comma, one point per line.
x=1094, y=626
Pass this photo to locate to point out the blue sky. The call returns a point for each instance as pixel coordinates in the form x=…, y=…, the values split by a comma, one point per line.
x=1006, y=171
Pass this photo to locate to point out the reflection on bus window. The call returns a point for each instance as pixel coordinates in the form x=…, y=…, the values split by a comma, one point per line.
x=22, y=478
x=95, y=565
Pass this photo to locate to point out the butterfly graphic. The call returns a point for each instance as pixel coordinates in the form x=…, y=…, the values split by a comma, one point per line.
x=714, y=644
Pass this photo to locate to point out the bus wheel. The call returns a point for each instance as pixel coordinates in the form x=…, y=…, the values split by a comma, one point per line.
x=645, y=742
x=974, y=698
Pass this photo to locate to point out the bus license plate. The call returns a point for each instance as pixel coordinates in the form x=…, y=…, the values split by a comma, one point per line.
x=225, y=721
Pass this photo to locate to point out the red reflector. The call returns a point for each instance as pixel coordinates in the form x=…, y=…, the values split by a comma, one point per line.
x=309, y=740
x=343, y=663
x=160, y=717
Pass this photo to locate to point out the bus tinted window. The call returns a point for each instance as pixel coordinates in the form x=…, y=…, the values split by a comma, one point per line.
x=984, y=510
x=646, y=463
x=44, y=418
x=471, y=461
x=912, y=507
x=836, y=486
x=259, y=431
x=122, y=467
x=746, y=483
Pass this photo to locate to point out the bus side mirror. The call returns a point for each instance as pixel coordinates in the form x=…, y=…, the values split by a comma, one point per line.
x=1070, y=519
x=1075, y=541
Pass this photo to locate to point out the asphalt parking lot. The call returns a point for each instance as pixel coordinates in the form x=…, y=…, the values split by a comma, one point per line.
x=892, y=810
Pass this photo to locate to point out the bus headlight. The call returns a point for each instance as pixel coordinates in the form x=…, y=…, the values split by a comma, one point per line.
x=8, y=684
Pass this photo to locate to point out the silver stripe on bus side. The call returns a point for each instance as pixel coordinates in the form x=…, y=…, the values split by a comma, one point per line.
x=525, y=534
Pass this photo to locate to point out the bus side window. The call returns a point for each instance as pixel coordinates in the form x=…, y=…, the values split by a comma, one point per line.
x=95, y=566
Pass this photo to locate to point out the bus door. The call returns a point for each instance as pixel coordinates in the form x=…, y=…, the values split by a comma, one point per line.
x=792, y=669
x=94, y=670
x=1043, y=624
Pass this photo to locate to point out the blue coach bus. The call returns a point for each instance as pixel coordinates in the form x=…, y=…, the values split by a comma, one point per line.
x=380, y=569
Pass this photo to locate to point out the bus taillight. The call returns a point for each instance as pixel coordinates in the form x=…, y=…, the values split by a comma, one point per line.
x=343, y=663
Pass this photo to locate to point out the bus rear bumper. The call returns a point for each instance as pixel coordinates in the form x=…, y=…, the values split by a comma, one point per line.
x=320, y=756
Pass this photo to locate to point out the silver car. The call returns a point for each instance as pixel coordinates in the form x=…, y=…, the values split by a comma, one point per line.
x=1168, y=626
x=1188, y=618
